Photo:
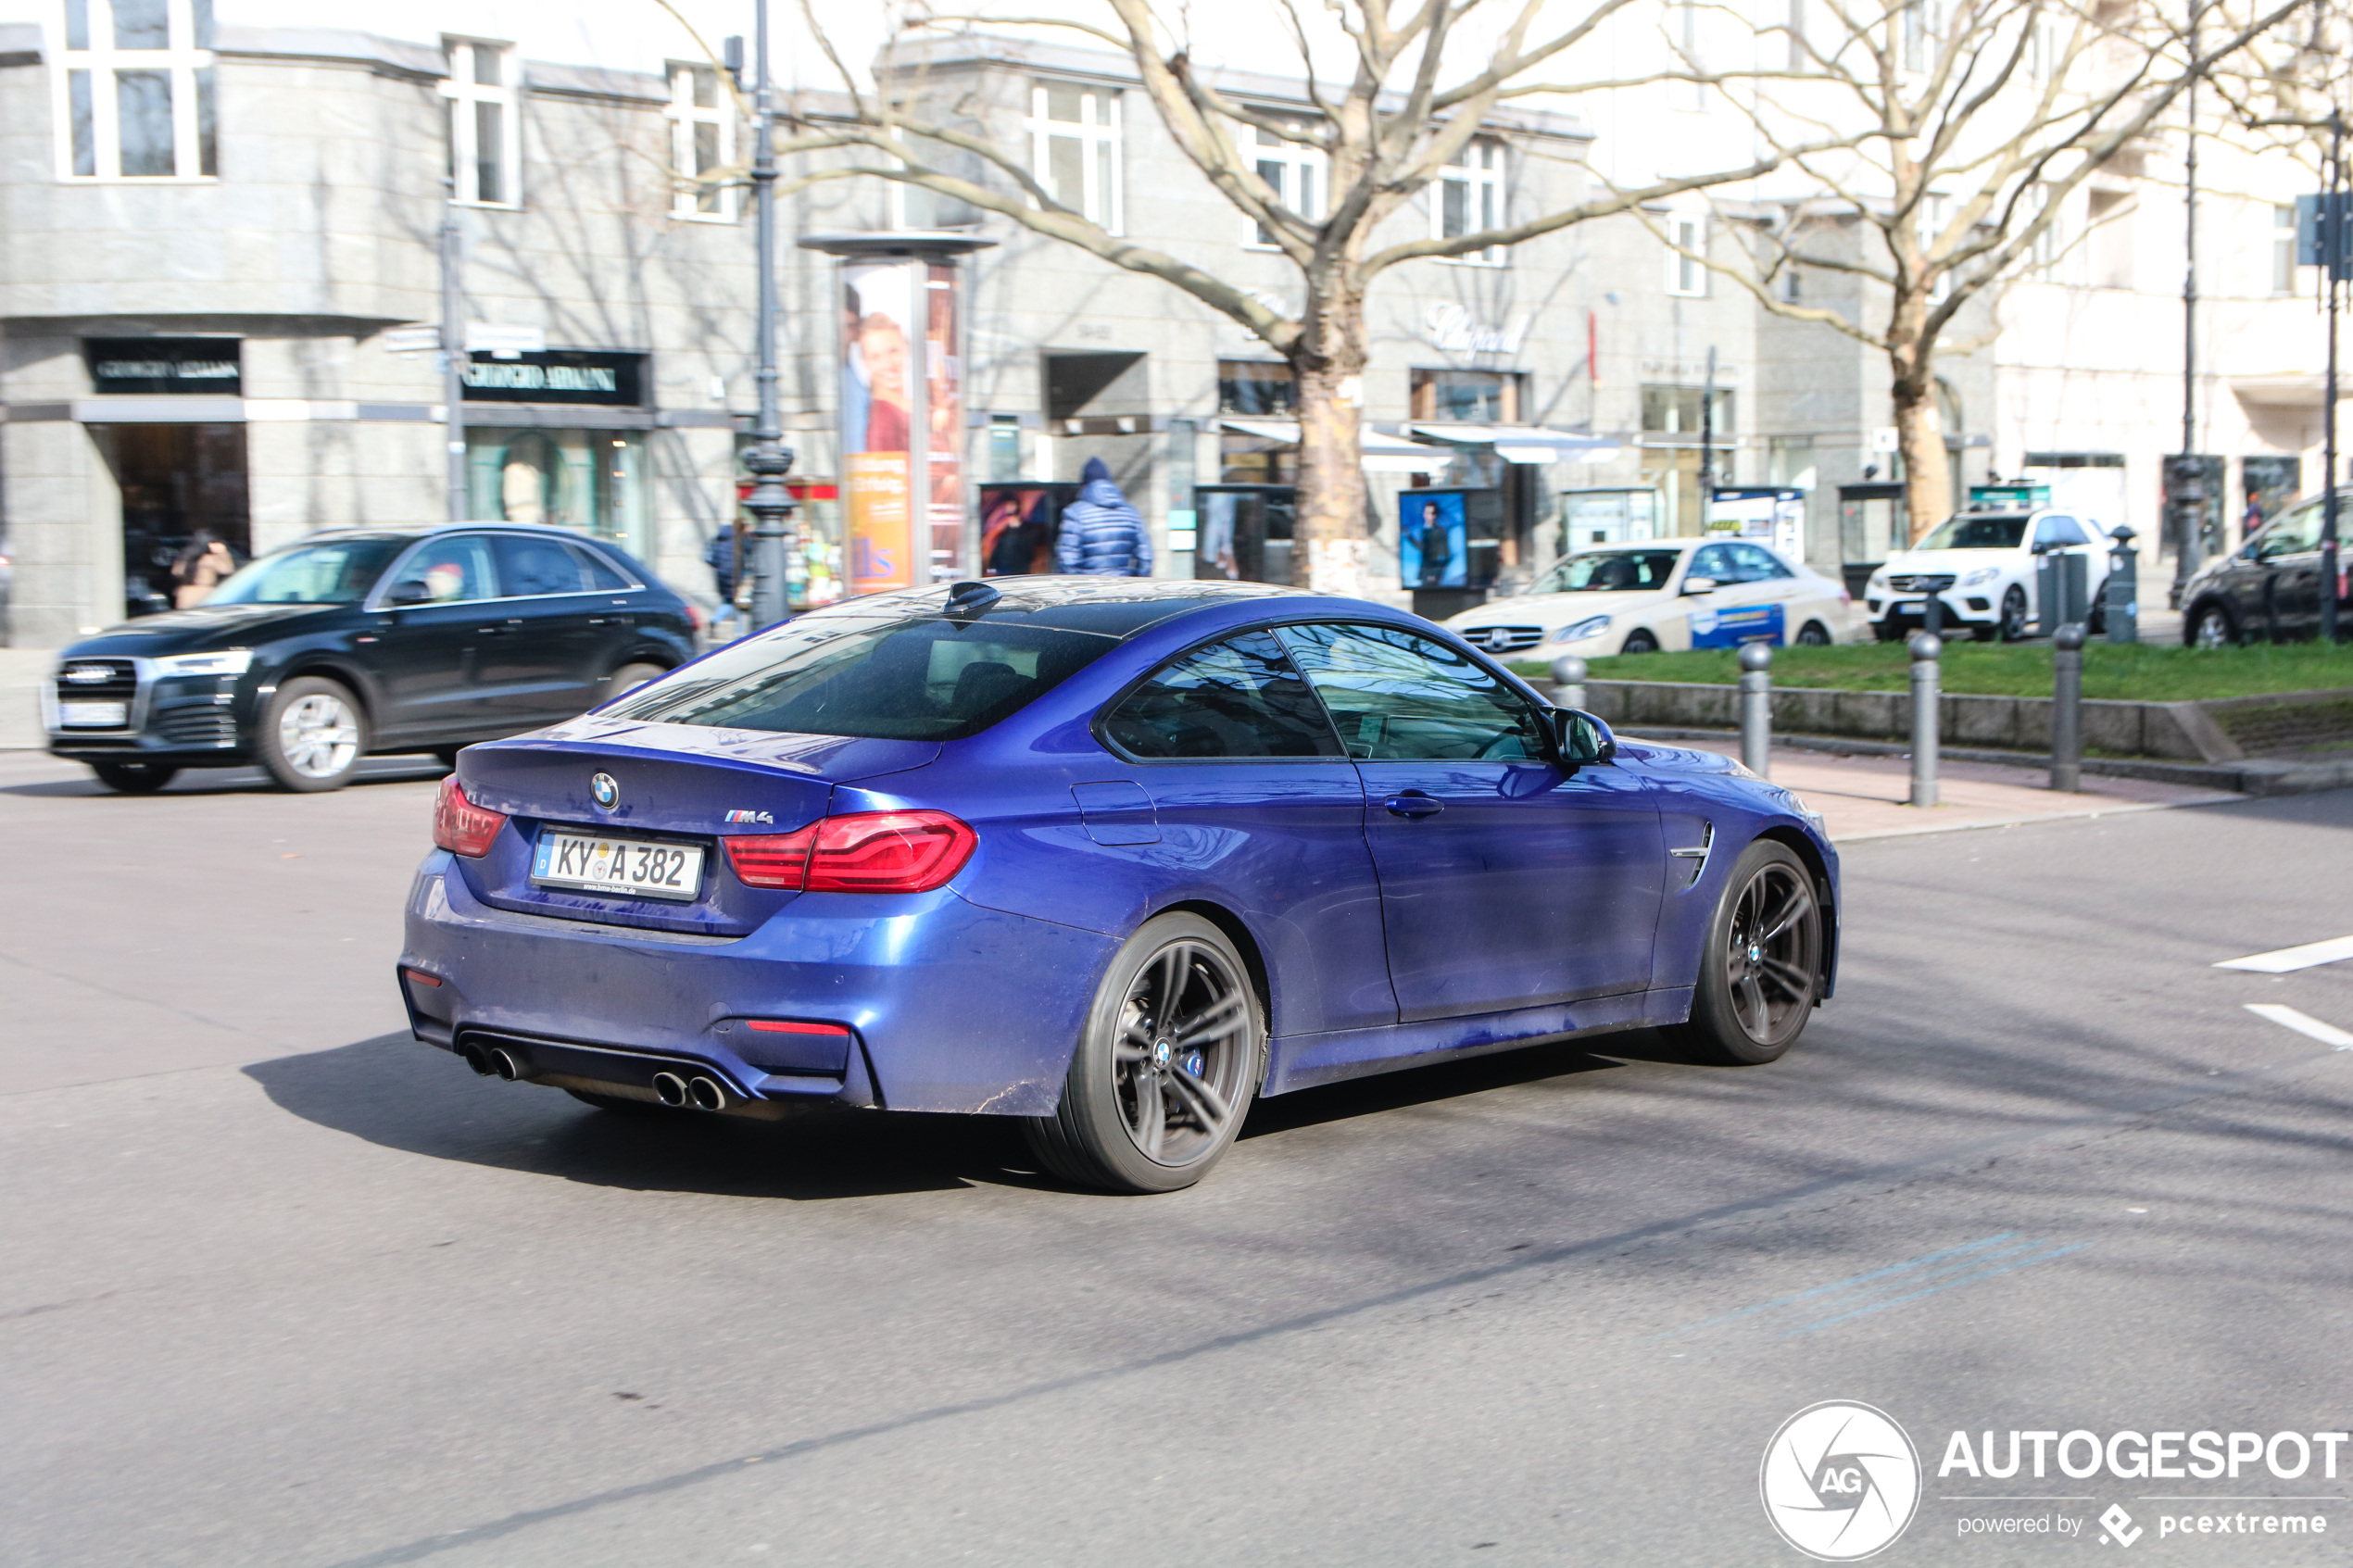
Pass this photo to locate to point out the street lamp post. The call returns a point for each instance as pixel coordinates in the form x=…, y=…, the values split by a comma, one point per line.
x=770, y=459
x=2331, y=224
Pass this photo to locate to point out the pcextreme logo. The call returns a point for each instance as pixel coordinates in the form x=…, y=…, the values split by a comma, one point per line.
x=1840, y=1480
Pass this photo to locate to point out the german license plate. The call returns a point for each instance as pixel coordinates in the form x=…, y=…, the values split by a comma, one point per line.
x=93, y=715
x=631, y=868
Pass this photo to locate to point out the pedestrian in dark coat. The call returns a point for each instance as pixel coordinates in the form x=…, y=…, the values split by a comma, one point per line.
x=1101, y=534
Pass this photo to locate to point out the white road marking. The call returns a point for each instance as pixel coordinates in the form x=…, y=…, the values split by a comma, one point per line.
x=2288, y=959
x=2303, y=1024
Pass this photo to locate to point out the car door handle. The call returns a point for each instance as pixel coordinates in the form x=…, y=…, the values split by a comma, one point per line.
x=1413, y=803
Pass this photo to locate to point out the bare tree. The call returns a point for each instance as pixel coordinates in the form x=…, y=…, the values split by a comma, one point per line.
x=1424, y=77
x=1989, y=115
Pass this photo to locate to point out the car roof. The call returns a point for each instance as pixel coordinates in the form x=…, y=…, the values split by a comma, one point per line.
x=1112, y=607
x=425, y=530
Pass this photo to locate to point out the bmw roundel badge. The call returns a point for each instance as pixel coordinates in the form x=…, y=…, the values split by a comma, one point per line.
x=605, y=792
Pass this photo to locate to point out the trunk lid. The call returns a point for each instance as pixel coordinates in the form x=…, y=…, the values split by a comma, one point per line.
x=677, y=784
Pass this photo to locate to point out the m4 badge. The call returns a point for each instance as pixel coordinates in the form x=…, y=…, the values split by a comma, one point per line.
x=751, y=817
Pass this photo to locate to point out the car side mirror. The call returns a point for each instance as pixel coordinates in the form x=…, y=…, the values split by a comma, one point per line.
x=1580, y=738
x=1699, y=585
x=413, y=592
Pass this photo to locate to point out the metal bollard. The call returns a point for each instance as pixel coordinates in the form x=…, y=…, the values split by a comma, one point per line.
x=1569, y=682
x=1757, y=708
x=2067, y=709
x=1925, y=651
x=2123, y=589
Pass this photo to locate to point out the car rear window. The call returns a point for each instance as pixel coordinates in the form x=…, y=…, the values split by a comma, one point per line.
x=871, y=678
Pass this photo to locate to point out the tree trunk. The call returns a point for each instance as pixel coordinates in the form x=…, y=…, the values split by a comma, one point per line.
x=1331, y=551
x=1919, y=434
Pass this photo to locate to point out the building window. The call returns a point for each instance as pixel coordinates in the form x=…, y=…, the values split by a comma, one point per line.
x=1467, y=396
x=2283, y=249
x=1687, y=242
x=2108, y=240
x=1074, y=149
x=133, y=91
x=1675, y=411
x=485, y=139
x=702, y=142
x=1258, y=387
x=1470, y=199
x=1295, y=172
x=1789, y=463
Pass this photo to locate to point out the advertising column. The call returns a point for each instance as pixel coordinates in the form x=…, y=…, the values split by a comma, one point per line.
x=944, y=408
x=880, y=414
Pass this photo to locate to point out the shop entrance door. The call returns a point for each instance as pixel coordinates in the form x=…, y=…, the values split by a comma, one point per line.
x=1245, y=533
x=176, y=481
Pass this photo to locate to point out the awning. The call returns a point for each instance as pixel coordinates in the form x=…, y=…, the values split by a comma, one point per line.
x=1523, y=444
x=1383, y=453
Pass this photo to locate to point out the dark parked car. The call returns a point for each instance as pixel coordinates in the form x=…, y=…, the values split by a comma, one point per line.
x=360, y=640
x=2269, y=587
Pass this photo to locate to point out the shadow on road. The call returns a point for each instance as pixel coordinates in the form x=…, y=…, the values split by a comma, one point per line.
x=232, y=781
x=395, y=1093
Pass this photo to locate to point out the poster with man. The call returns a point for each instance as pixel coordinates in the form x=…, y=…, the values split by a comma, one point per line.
x=1433, y=542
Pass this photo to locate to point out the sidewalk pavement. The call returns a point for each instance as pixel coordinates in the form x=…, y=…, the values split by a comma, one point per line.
x=1863, y=798
x=20, y=674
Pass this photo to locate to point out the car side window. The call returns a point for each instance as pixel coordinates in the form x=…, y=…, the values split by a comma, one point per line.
x=2057, y=530
x=2292, y=534
x=1758, y=564
x=530, y=567
x=1716, y=563
x=1398, y=698
x=596, y=572
x=1240, y=697
x=453, y=570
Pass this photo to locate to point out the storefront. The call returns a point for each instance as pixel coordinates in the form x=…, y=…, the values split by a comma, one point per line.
x=168, y=423
x=558, y=437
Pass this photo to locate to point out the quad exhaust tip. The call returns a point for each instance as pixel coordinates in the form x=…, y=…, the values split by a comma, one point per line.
x=669, y=1088
x=504, y=1064
x=710, y=1094
x=478, y=1059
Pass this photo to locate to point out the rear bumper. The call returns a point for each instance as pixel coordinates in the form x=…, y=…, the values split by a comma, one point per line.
x=951, y=1008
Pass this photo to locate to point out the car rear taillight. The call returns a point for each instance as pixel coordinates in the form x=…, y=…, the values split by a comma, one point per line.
x=771, y=859
x=460, y=826
x=791, y=1026
x=863, y=852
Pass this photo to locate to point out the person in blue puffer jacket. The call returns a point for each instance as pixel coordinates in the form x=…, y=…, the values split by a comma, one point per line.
x=1101, y=534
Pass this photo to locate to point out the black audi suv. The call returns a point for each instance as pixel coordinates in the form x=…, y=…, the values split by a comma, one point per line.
x=360, y=640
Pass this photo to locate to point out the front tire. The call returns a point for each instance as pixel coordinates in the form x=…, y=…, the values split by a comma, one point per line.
x=1173, y=1052
x=2012, y=627
x=312, y=735
x=1640, y=642
x=134, y=778
x=2209, y=627
x=1762, y=968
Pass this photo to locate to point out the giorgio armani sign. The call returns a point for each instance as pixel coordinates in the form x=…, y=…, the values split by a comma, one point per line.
x=209, y=366
x=555, y=375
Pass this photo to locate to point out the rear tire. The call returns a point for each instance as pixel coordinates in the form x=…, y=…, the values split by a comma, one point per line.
x=1813, y=634
x=1762, y=967
x=134, y=778
x=1173, y=1052
x=312, y=735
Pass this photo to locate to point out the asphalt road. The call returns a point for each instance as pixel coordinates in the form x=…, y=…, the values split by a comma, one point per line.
x=283, y=1288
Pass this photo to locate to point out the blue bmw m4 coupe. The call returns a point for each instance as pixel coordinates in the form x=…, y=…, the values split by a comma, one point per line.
x=1111, y=857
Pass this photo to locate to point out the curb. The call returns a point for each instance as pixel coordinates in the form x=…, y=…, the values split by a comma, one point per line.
x=2255, y=777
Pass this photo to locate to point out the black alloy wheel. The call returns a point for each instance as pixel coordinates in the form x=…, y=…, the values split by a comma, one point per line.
x=2013, y=623
x=1640, y=642
x=1173, y=1052
x=1813, y=634
x=134, y=778
x=1761, y=970
x=2210, y=627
